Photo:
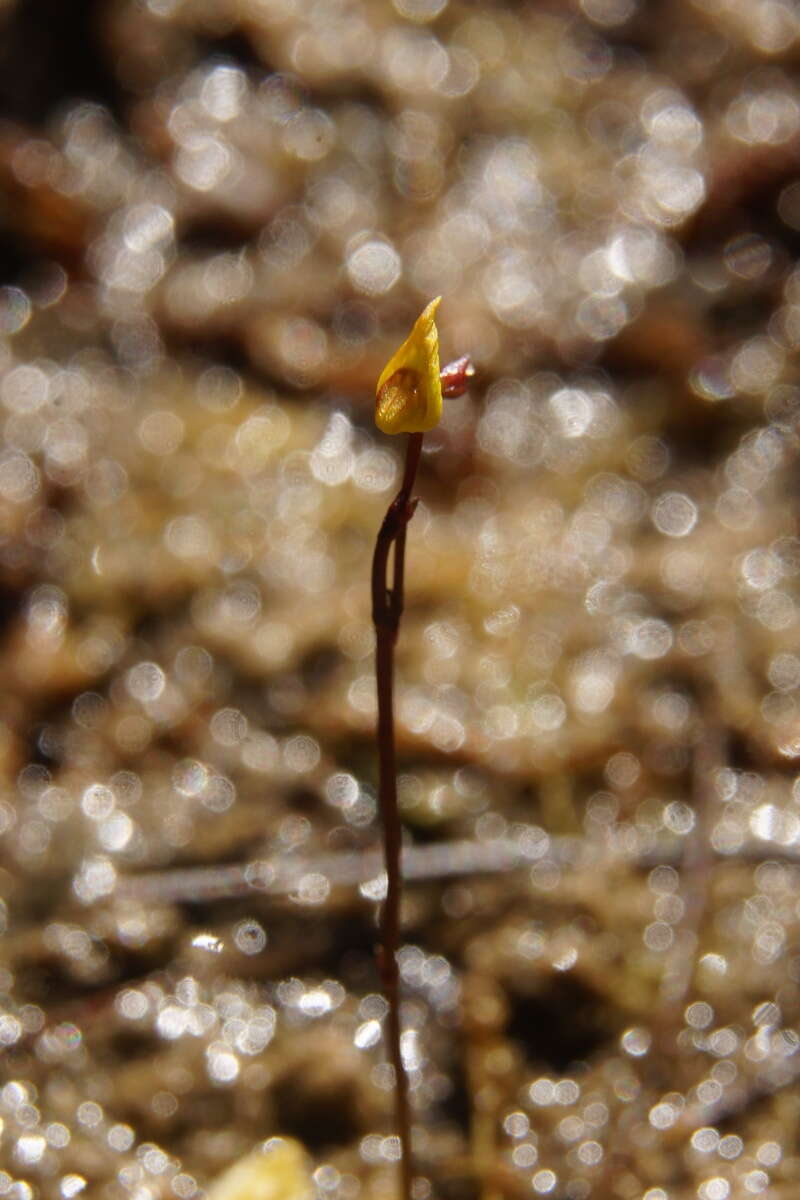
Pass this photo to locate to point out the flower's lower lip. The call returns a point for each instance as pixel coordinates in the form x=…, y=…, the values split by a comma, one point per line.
x=398, y=401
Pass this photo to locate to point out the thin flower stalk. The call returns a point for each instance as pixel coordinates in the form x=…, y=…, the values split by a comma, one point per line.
x=408, y=400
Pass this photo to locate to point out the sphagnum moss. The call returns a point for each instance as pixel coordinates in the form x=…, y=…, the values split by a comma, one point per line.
x=408, y=400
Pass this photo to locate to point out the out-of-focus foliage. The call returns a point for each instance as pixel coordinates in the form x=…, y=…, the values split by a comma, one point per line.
x=275, y=1172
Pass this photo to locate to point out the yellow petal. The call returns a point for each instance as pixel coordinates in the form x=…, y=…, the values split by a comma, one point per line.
x=408, y=398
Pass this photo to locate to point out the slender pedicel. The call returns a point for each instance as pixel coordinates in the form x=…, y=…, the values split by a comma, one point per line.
x=408, y=400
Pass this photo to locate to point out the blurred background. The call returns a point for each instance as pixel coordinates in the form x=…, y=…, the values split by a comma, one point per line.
x=217, y=220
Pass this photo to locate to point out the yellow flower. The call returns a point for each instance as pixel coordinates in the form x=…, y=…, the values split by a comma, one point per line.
x=277, y=1170
x=408, y=398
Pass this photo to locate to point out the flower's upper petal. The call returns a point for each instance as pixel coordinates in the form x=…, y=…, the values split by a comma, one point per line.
x=409, y=391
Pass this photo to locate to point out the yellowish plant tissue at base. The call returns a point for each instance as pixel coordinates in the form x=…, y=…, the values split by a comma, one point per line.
x=278, y=1170
x=409, y=391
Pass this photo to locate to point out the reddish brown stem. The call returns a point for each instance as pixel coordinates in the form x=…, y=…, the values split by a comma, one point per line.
x=387, y=609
